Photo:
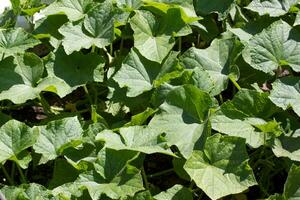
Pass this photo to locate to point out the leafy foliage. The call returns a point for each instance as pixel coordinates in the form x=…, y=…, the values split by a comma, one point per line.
x=149, y=99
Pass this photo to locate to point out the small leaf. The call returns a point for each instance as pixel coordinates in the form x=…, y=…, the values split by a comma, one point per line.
x=286, y=93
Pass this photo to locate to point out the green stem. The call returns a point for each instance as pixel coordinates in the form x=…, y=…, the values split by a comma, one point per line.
x=23, y=179
x=145, y=179
x=235, y=83
x=179, y=44
x=160, y=173
x=93, y=49
x=88, y=95
x=45, y=105
x=111, y=49
x=10, y=181
x=221, y=98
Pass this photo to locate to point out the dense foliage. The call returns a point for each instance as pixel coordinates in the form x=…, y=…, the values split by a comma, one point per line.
x=150, y=99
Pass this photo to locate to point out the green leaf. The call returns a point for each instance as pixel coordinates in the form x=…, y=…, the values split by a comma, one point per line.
x=274, y=47
x=183, y=118
x=13, y=41
x=129, y=4
x=113, y=176
x=216, y=61
x=73, y=69
x=243, y=114
x=286, y=146
x=147, y=40
x=74, y=9
x=15, y=137
x=297, y=20
x=177, y=192
x=137, y=74
x=97, y=29
x=30, y=191
x=286, y=93
x=205, y=7
x=57, y=136
x=135, y=138
x=292, y=184
x=274, y=8
x=222, y=164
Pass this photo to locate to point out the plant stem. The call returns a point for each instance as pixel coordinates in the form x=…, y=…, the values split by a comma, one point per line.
x=179, y=44
x=235, y=83
x=160, y=173
x=111, y=49
x=93, y=49
x=221, y=98
x=45, y=105
x=145, y=179
x=10, y=181
x=23, y=179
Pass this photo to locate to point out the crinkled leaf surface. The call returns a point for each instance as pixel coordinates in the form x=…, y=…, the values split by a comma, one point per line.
x=56, y=136
x=275, y=46
x=137, y=74
x=74, y=9
x=13, y=41
x=147, y=40
x=216, y=61
x=135, y=138
x=183, y=118
x=240, y=116
x=114, y=176
x=221, y=168
x=177, y=192
x=274, y=8
x=16, y=137
x=286, y=93
x=97, y=29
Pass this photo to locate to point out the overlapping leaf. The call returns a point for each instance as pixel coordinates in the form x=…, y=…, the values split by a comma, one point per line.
x=278, y=45
x=221, y=168
x=274, y=8
x=57, y=136
x=183, y=117
x=286, y=93
x=135, y=138
x=212, y=66
x=241, y=116
x=15, y=138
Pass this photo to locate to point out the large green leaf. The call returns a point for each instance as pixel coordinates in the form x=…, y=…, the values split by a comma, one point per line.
x=74, y=9
x=15, y=137
x=286, y=146
x=135, y=138
x=205, y=7
x=137, y=74
x=241, y=116
x=152, y=44
x=177, y=192
x=275, y=46
x=221, y=168
x=57, y=136
x=97, y=29
x=274, y=8
x=114, y=176
x=183, y=117
x=73, y=69
x=31, y=191
x=216, y=61
x=292, y=184
x=286, y=93
x=13, y=41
